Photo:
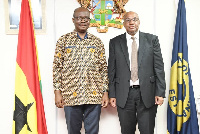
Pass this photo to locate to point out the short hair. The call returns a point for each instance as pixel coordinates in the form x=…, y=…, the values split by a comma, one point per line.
x=80, y=8
x=129, y=12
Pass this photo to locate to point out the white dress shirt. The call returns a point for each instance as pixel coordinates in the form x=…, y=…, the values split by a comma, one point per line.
x=129, y=44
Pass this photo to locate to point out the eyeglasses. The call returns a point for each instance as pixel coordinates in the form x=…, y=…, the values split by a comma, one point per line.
x=129, y=20
x=82, y=18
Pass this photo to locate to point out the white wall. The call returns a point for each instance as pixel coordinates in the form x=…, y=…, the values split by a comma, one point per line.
x=157, y=17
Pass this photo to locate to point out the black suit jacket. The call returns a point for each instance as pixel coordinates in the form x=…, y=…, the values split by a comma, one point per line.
x=150, y=69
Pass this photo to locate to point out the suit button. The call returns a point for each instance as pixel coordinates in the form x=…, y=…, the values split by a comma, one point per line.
x=128, y=80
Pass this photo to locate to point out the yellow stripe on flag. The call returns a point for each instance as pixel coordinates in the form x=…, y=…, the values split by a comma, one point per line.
x=22, y=91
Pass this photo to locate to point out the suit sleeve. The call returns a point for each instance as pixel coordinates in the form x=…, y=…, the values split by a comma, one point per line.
x=111, y=70
x=159, y=69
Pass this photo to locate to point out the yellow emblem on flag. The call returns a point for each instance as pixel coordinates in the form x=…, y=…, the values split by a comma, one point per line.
x=179, y=74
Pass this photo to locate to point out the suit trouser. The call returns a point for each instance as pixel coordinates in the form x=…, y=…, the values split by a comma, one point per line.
x=135, y=112
x=88, y=113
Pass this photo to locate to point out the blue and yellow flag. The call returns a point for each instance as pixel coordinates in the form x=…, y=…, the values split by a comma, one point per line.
x=181, y=112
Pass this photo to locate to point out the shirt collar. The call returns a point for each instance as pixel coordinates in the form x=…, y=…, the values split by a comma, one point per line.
x=86, y=36
x=128, y=36
x=74, y=34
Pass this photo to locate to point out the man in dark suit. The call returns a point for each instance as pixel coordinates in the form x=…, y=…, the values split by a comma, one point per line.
x=136, y=77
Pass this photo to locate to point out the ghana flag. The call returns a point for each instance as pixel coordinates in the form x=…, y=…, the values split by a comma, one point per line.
x=28, y=117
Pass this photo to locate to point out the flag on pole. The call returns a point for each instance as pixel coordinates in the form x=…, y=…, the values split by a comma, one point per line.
x=28, y=117
x=181, y=112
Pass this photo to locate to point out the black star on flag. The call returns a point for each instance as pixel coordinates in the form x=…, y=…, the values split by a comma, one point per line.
x=20, y=115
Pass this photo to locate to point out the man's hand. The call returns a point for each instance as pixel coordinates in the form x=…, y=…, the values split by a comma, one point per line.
x=105, y=100
x=113, y=102
x=159, y=100
x=58, y=99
